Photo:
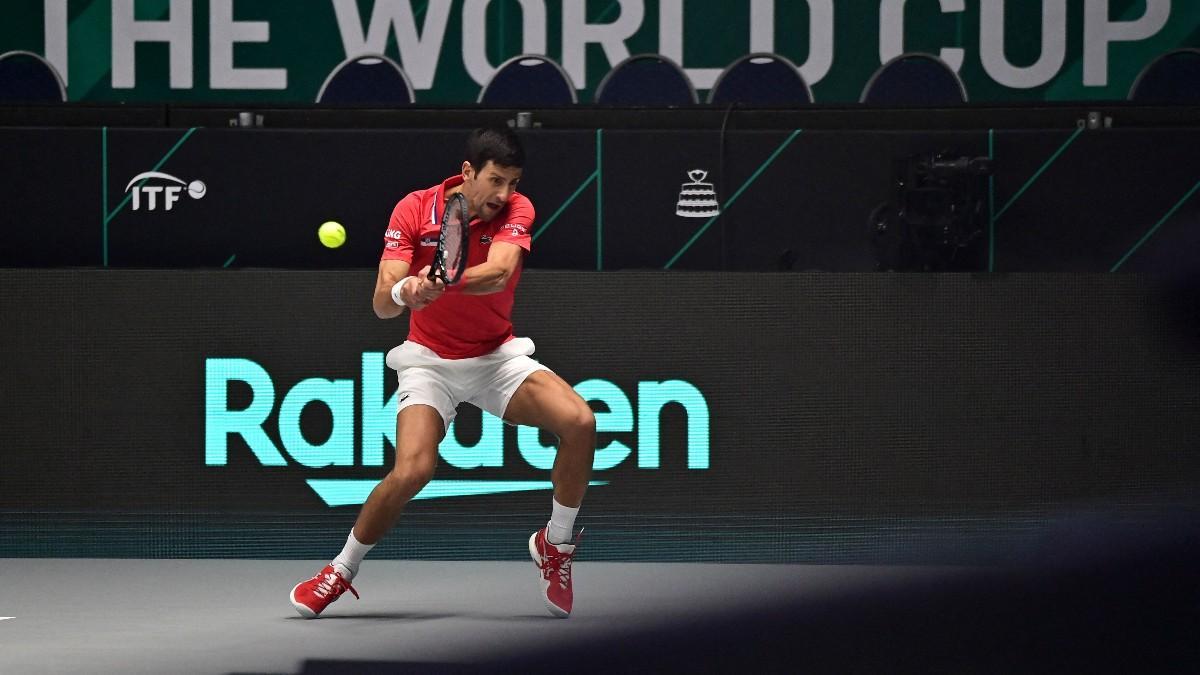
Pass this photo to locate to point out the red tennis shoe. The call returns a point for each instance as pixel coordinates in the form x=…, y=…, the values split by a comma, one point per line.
x=554, y=571
x=311, y=597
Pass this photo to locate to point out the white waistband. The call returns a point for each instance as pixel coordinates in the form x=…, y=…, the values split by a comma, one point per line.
x=408, y=354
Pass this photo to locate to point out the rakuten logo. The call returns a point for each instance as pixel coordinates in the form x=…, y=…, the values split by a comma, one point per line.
x=631, y=425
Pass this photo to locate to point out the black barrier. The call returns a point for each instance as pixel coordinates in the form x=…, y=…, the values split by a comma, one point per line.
x=1059, y=200
x=802, y=417
x=1042, y=115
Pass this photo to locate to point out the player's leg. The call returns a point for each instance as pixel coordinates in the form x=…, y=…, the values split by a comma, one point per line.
x=426, y=408
x=545, y=401
x=419, y=429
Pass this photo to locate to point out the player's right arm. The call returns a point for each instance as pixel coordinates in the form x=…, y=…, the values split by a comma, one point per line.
x=398, y=248
x=417, y=291
x=390, y=272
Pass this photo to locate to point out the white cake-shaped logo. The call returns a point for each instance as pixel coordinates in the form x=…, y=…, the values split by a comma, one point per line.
x=697, y=199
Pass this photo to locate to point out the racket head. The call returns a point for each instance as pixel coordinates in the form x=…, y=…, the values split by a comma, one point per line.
x=451, y=257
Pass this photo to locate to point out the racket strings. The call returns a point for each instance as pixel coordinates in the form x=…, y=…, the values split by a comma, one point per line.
x=453, y=251
x=454, y=239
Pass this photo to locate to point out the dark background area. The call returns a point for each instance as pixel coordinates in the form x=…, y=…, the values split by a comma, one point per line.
x=1032, y=411
x=1061, y=199
x=853, y=417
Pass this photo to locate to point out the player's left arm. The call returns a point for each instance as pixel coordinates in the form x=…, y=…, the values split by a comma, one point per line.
x=492, y=275
x=506, y=254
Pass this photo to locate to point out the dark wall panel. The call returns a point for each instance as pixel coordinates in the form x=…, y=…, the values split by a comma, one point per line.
x=606, y=199
x=849, y=417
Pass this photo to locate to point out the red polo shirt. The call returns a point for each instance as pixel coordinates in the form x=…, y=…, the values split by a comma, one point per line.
x=457, y=325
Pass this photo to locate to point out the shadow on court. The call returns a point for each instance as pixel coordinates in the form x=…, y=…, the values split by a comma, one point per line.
x=423, y=616
x=1095, y=596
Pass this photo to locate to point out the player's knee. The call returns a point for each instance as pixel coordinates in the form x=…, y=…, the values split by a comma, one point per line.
x=410, y=477
x=582, y=423
x=587, y=420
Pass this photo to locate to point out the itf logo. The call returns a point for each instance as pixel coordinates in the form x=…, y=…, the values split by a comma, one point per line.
x=142, y=189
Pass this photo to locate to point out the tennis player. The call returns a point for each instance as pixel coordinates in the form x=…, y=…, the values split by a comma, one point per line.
x=461, y=347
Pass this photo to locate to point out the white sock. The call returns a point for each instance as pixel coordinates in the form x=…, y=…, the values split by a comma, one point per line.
x=347, y=561
x=562, y=520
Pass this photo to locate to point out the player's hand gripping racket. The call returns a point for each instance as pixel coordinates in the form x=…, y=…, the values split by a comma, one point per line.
x=451, y=256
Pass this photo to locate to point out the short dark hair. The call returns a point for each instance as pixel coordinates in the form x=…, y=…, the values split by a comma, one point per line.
x=496, y=144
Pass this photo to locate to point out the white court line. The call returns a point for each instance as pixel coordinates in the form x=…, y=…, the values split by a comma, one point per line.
x=3, y=618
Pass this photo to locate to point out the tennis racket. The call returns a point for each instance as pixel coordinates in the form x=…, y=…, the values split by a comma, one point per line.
x=451, y=256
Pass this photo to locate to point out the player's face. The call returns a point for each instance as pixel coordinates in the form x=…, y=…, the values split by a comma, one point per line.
x=488, y=189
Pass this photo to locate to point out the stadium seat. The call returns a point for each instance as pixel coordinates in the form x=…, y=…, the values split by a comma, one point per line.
x=367, y=79
x=646, y=80
x=915, y=79
x=26, y=77
x=761, y=79
x=1173, y=77
x=530, y=80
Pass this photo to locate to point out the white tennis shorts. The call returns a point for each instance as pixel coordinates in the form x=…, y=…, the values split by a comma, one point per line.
x=487, y=382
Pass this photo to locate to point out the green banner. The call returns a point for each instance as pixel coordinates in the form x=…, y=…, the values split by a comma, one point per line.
x=278, y=51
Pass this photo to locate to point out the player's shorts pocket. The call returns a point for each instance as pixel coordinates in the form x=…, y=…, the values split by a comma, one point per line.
x=408, y=354
x=515, y=347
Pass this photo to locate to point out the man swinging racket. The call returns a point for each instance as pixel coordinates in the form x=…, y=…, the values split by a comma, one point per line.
x=461, y=347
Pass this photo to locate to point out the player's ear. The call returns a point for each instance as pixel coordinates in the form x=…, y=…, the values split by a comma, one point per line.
x=468, y=171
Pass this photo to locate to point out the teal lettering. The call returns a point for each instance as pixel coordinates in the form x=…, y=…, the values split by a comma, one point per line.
x=220, y=421
x=338, y=396
x=378, y=416
x=530, y=446
x=488, y=451
x=652, y=397
x=615, y=416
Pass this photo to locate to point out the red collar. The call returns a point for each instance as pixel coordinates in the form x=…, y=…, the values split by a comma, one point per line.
x=451, y=182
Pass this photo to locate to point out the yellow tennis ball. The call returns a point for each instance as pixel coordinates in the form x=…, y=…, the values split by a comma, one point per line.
x=332, y=234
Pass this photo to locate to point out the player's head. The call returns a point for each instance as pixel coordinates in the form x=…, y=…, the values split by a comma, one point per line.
x=495, y=162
